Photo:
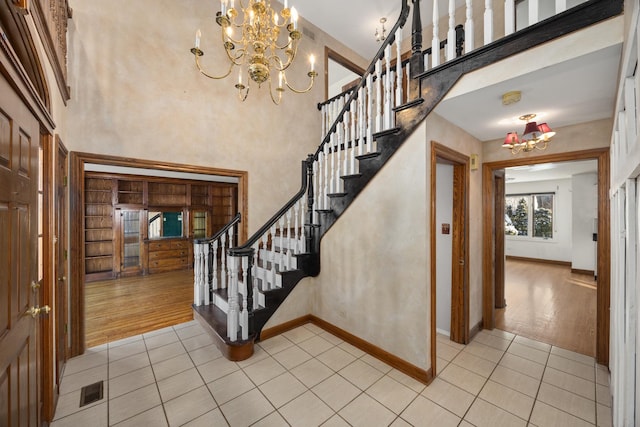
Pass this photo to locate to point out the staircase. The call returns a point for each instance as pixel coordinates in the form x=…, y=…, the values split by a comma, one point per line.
x=237, y=289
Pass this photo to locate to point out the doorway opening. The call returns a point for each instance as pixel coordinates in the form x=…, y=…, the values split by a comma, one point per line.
x=81, y=166
x=493, y=252
x=340, y=73
x=449, y=232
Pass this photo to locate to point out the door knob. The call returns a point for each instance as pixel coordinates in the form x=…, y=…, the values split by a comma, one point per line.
x=62, y=279
x=36, y=311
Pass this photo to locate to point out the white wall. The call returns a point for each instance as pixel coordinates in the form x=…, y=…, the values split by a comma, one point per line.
x=136, y=92
x=558, y=248
x=584, y=216
x=444, y=246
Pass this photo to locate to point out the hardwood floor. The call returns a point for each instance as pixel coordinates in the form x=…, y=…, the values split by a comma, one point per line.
x=121, y=308
x=548, y=303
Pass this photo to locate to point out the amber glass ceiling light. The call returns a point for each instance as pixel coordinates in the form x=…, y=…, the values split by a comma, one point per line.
x=260, y=51
x=535, y=136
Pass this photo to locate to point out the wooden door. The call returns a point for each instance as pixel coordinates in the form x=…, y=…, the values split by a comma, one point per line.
x=19, y=349
x=459, y=258
x=61, y=251
x=498, y=182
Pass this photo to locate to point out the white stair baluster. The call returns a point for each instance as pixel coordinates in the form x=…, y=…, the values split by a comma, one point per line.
x=204, y=269
x=272, y=258
x=451, y=33
x=254, y=276
x=301, y=242
x=509, y=17
x=369, y=113
x=332, y=183
x=281, y=263
x=435, y=42
x=243, y=290
x=469, y=42
x=426, y=61
x=264, y=262
x=534, y=12
x=388, y=88
x=223, y=261
x=353, y=112
x=288, y=239
x=232, y=313
x=347, y=139
x=296, y=224
x=325, y=198
x=198, y=282
x=399, y=73
x=378, y=100
x=362, y=114
x=488, y=22
x=214, y=265
x=561, y=6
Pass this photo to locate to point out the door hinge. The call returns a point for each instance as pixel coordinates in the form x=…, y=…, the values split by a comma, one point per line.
x=64, y=181
x=64, y=254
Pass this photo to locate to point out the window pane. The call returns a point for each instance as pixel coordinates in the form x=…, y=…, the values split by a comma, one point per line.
x=517, y=212
x=543, y=216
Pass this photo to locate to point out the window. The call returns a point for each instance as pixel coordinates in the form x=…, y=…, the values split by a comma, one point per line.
x=529, y=215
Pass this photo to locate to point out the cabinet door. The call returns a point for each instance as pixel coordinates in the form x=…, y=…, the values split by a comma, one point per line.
x=130, y=241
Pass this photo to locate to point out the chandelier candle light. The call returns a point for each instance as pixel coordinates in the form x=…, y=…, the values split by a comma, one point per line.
x=258, y=52
x=535, y=136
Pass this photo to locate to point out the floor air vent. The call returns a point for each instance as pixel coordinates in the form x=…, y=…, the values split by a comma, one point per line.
x=91, y=393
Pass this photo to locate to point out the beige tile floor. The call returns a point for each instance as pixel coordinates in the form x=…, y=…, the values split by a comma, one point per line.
x=308, y=377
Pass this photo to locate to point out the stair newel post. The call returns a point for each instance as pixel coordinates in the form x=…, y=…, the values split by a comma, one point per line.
x=310, y=198
x=204, y=264
x=223, y=261
x=232, y=314
x=416, y=64
x=435, y=41
x=451, y=32
x=399, y=72
x=468, y=28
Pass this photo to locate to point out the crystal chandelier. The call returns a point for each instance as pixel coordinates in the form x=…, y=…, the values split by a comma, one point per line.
x=260, y=51
x=535, y=136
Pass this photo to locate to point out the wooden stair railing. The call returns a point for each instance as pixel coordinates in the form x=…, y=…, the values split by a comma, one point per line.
x=362, y=129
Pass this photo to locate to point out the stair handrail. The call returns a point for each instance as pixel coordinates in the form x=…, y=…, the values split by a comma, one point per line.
x=247, y=247
x=236, y=219
x=402, y=19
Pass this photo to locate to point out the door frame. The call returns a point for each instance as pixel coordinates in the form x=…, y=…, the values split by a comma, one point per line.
x=603, y=261
x=498, y=230
x=460, y=242
x=76, y=229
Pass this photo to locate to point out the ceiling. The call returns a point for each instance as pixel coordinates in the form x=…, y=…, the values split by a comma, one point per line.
x=549, y=171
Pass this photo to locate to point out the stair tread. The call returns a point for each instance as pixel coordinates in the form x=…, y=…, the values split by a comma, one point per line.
x=352, y=176
x=331, y=195
x=371, y=155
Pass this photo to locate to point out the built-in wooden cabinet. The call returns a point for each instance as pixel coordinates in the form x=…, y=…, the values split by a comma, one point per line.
x=169, y=254
x=144, y=225
x=99, y=228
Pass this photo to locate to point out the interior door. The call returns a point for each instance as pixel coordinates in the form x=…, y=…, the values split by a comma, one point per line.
x=19, y=349
x=498, y=182
x=61, y=252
